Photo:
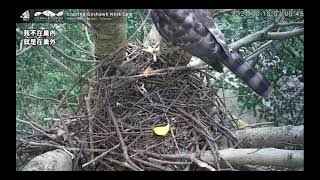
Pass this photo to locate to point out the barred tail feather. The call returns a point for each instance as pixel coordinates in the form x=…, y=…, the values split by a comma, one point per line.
x=248, y=74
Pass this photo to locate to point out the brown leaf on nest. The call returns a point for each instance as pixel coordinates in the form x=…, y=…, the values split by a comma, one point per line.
x=147, y=71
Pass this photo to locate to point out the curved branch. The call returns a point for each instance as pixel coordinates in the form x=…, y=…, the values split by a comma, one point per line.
x=284, y=35
x=262, y=35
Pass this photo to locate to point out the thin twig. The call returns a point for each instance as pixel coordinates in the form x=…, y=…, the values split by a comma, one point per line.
x=152, y=164
x=63, y=125
x=19, y=52
x=124, y=164
x=34, y=127
x=257, y=124
x=168, y=162
x=100, y=156
x=90, y=118
x=37, y=97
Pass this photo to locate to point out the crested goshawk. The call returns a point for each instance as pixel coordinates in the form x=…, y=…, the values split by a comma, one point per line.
x=194, y=31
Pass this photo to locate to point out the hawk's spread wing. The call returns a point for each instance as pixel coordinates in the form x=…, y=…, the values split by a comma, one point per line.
x=195, y=32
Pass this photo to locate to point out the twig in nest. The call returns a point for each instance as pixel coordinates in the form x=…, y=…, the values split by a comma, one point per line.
x=90, y=118
x=75, y=164
x=123, y=164
x=100, y=156
x=221, y=128
x=147, y=149
x=177, y=97
x=64, y=126
x=174, y=138
x=152, y=165
x=107, y=165
x=168, y=156
x=168, y=162
x=66, y=94
x=123, y=145
x=195, y=120
x=215, y=151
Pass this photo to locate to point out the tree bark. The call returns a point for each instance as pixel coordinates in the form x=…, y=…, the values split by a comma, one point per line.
x=109, y=34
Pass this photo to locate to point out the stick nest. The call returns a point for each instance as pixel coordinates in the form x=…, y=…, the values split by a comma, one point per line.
x=116, y=133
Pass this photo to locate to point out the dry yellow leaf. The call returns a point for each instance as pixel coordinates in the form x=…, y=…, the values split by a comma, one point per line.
x=162, y=130
x=241, y=123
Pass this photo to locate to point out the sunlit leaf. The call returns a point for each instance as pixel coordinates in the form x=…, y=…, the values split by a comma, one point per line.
x=162, y=130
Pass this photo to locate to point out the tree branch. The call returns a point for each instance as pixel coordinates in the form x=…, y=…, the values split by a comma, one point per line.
x=259, y=50
x=88, y=36
x=284, y=35
x=264, y=157
x=19, y=52
x=34, y=127
x=72, y=58
x=56, y=62
x=291, y=24
x=67, y=39
x=262, y=35
x=265, y=33
x=100, y=156
x=37, y=97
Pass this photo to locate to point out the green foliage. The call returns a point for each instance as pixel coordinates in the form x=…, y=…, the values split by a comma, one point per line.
x=135, y=18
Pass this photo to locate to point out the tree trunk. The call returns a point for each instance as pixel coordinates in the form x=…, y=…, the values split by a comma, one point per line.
x=57, y=160
x=109, y=34
x=279, y=137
